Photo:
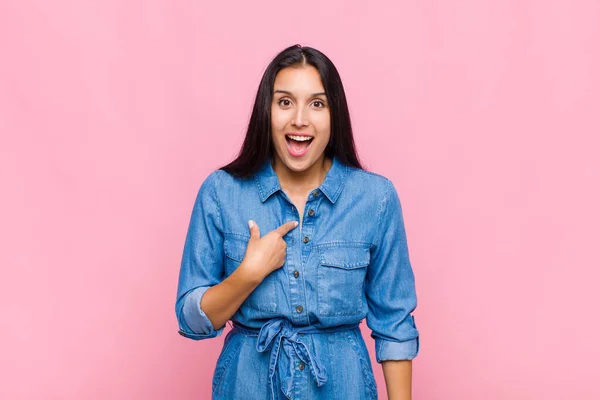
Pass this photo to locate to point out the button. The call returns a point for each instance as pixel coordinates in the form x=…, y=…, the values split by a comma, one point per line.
x=315, y=193
x=296, y=274
x=311, y=212
x=305, y=239
x=301, y=366
x=299, y=309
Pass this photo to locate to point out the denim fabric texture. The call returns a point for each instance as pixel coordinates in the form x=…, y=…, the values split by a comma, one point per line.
x=296, y=336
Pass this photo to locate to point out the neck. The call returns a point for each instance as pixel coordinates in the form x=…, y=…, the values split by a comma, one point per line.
x=300, y=182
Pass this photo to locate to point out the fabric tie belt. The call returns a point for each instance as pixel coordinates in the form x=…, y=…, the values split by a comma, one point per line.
x=280, y=333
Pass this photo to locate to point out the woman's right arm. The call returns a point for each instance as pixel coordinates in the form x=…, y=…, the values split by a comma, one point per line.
x=221, y=301
x=263, y=256
x=205, y=301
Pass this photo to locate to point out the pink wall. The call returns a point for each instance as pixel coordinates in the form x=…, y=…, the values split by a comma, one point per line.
x=485, y=114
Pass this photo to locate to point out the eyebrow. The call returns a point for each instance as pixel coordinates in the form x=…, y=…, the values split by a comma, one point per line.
x=290, y=93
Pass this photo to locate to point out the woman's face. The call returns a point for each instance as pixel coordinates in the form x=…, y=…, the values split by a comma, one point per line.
x=299, y=111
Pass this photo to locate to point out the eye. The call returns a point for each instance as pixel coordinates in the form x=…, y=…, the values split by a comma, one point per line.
x=322, y=104
x=285, y=104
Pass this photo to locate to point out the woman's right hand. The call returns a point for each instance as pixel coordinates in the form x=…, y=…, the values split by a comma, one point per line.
x=266, y=254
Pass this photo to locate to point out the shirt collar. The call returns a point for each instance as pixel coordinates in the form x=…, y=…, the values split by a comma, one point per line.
x=267, y=180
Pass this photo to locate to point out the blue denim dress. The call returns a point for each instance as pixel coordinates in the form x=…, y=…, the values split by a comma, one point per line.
x=297, y=335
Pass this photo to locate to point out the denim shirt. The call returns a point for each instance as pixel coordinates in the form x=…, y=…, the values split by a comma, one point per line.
x=349, y=259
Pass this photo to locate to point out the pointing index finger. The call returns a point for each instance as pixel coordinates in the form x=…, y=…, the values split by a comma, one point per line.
x=285, y=228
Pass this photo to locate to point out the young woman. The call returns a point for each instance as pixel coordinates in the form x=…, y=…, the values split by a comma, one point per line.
x=296, y=244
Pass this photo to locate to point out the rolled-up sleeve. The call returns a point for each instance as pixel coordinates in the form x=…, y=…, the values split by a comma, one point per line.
x=201, y=264
x=390, y=285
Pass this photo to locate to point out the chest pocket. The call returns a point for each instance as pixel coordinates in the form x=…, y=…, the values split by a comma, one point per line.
x=340, y=279
x=263, y=297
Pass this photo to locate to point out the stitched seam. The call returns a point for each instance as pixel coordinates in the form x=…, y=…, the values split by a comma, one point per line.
x=364, y=366
x=218, y=202
x=374, y=174
x=340, y=243
x=230, y=253
x=220, y=373
x=380, y=211
x=235, y=235
x=344, y=264
x=368, y=172
x=260, y=193
x=344, y=177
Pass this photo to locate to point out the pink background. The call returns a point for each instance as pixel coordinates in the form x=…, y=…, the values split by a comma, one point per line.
x=485, y=114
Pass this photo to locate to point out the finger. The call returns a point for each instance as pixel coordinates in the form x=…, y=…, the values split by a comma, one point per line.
x=254, y=231
x=285, y=228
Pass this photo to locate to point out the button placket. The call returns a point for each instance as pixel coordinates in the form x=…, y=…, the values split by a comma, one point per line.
x=305, y=234
x=294, y=263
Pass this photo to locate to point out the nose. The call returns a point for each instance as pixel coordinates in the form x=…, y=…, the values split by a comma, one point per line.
x=299, y=119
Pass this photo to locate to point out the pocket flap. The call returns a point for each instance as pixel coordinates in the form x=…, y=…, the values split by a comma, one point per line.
x=345, y=257
x=235, y=248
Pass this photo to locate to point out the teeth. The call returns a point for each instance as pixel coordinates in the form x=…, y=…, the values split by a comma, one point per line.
x=299, y=138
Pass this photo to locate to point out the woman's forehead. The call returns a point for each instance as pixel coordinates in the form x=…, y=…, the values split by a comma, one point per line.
x=299, y=81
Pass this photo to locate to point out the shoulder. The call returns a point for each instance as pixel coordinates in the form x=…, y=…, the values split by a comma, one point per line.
x=376, y=189
x=210, y=182
x=219, y=177
x=220, y=183
x=369, y=182
x=208, y=187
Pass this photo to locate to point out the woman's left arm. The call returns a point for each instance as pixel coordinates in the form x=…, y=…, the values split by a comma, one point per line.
x=398, y=379
x=391, y=297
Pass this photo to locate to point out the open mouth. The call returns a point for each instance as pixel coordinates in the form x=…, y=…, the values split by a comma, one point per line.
x=298, y=145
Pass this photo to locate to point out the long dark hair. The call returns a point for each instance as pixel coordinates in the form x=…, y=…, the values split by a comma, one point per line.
x=258, y=148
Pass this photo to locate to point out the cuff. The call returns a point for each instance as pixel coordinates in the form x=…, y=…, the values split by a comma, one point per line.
x=195, y=319
x=388, y=350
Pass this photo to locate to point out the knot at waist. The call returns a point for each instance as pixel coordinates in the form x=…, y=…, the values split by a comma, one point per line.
x=279, y=333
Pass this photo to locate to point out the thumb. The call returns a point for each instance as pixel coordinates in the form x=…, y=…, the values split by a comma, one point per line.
x=254, y=231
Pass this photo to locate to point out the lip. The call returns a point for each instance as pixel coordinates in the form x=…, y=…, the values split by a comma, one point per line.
x=291, y=152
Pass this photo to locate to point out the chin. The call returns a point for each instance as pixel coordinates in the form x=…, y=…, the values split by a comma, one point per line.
x=292, y=163
x=299, y=167
x=296, y=165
